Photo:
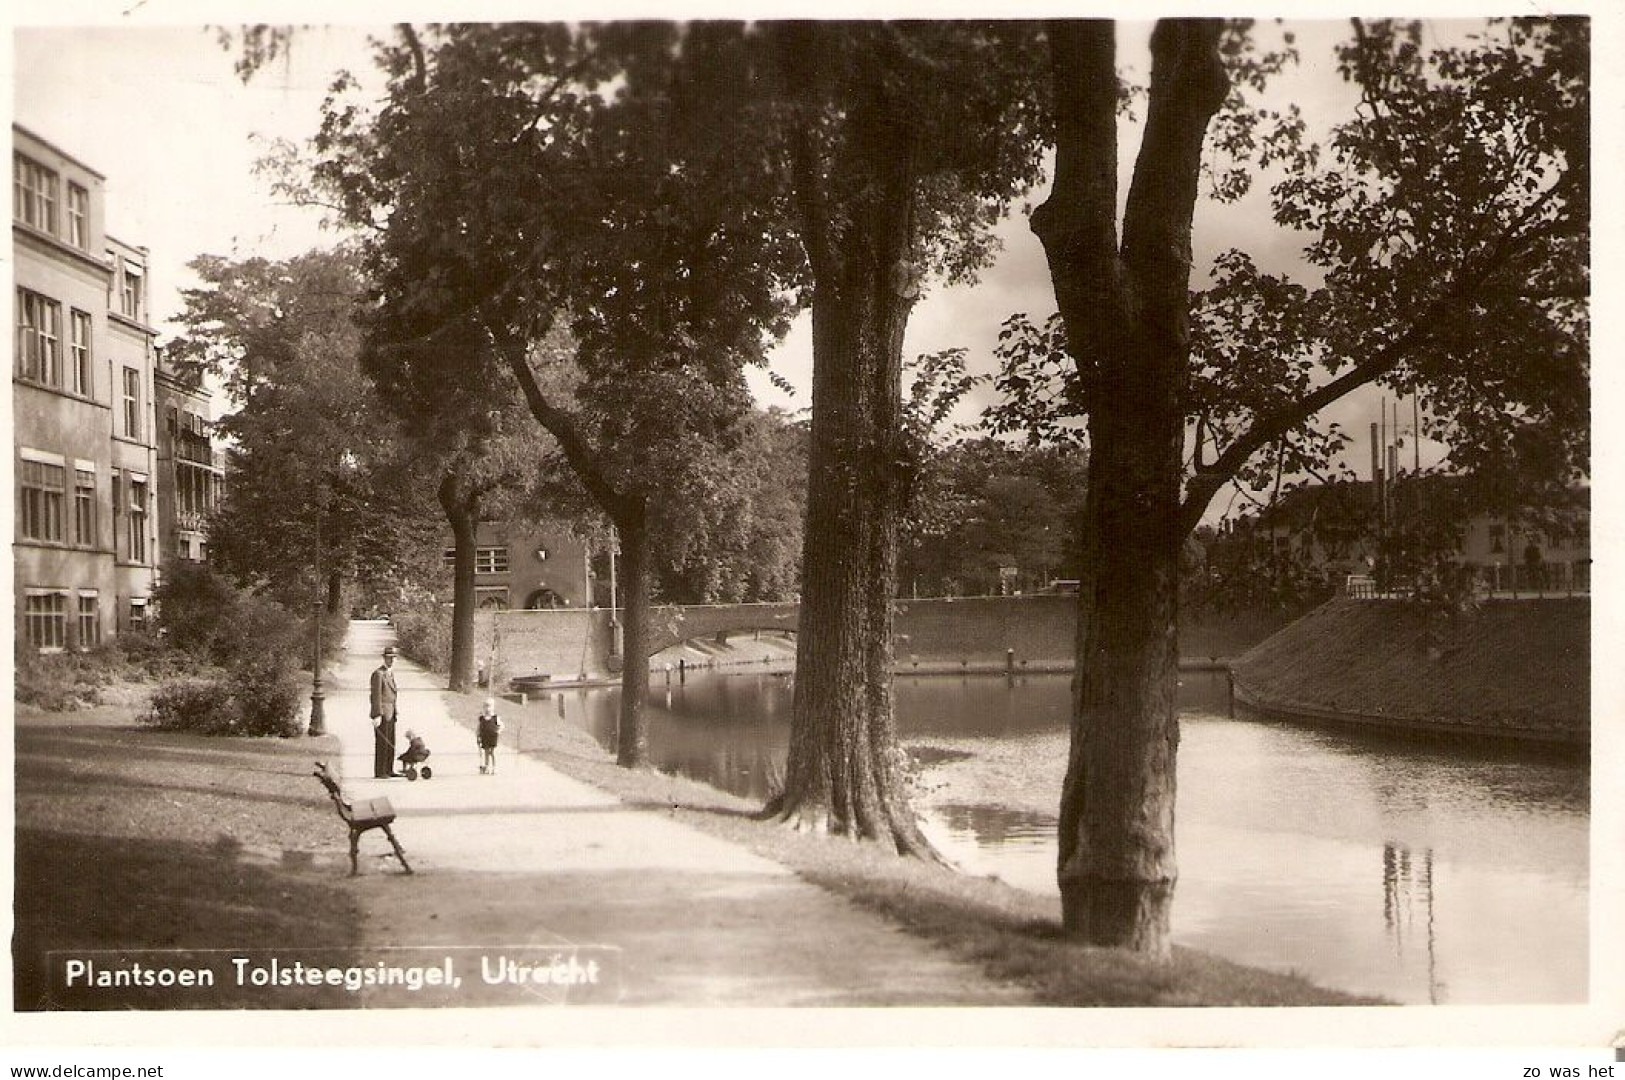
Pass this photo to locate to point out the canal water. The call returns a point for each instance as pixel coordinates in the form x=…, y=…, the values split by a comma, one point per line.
x=1417, y=873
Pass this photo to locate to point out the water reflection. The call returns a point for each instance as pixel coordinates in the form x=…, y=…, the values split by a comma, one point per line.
x=1401, y=887
x=994, y=826
x=1482, y=854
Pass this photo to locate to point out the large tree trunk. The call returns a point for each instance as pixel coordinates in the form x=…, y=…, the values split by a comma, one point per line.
x=335, y=591
x=462, y=512
x=636, y=573
x=1117, y=867
x=1127, y=321
x=843, y=775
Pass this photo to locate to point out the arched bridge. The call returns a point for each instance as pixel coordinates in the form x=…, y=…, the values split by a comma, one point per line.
x=673, y=625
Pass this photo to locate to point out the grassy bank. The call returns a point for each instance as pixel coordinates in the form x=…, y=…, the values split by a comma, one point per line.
x=131, y=839
x=1013, y=936
x=1509, y=666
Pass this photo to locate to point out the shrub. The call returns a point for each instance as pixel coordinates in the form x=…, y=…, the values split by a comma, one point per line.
x=195, y=605
x=425, y=636
x=255, y=646
x=66, y=681
x=148, y=654
x=60, y=682
x=267, y=691
x=202, y=706
x=208, y=618
x=255, y=627
x=257, y=698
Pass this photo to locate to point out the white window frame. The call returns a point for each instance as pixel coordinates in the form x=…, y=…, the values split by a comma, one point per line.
x=130, y=291
x=78, y=216
x=39, y=338
x=33, y=193
x=84, y=499
x=37, y=515
x=54, y=623
x=79, y=352
x=94, y=637
x=491, y=560
x=132, y=403
x=139, y=489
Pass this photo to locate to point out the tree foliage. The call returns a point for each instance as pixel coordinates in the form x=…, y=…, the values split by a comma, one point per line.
x=981, y=504
x=1446, y=244
x=568, y=205
x=314, y=473
x=738, y=537
x=1446, y=255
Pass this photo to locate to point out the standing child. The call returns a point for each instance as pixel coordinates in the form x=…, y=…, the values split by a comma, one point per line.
x=485, y=733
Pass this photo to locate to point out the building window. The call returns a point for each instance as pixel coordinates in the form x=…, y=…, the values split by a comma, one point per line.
x=132, y=402
x=42, y=488
x=492, y=597
x=78, y=216
x=79, y=355
x=84, y=507
x=33, y=194
x=138, y=521
x=39, y=338
x=487, y=560
x=90, y=621
x=130, y=296
x=138, y=614
x=45, y=620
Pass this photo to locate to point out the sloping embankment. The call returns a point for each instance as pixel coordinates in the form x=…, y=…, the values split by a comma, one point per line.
x=1512, y=669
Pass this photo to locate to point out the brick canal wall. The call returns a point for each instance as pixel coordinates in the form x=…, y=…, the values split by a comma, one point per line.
x=972, y=631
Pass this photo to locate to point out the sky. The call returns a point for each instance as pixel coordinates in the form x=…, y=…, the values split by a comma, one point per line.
x=158, y=110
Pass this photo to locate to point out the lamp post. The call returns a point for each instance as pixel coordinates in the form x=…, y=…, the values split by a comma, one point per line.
x=318, y=718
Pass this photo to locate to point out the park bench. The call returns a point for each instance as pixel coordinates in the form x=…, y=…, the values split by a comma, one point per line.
x=361, y=815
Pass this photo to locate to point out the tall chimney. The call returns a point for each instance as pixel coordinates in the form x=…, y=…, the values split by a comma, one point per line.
x=1416, y=435
x=1376, y=468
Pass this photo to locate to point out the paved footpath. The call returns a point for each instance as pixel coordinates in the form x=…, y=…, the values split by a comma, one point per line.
x=545, y=858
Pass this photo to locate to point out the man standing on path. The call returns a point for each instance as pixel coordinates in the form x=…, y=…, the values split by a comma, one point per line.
x=383, y=716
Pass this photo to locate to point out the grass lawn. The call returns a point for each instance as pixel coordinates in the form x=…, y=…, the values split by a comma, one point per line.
x=132, y=839
x=1515, y=664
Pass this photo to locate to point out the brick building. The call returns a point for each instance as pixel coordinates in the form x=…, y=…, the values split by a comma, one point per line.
x=85, y=552
x=525, y=566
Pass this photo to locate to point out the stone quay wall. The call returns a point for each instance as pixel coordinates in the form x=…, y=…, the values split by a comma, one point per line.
x=1033, y=632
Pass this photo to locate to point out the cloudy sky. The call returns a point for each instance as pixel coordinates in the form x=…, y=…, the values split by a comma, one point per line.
x=158, y=109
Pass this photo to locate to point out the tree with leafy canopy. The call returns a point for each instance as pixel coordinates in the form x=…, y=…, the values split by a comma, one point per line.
x=659, y=188
x=904, y=143
x=475, y=435
x=739, y=539
x=314, y=473
x=567, y=204
x=982, y=503
x=1447, y=223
